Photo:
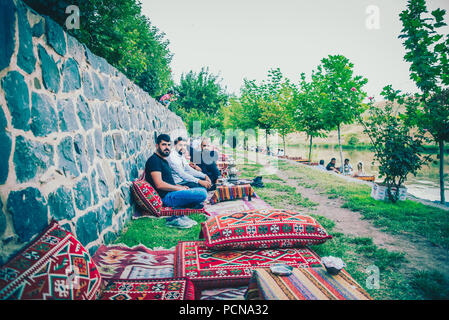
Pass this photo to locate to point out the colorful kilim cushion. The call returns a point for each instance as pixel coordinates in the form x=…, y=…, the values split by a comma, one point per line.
x=223, y=193
x=146, y=197
x=233, y=268
x=150, y=203
x=266, y=228
x=154, y=289
x=139, y=262
x=304, y=284
x=53, y=266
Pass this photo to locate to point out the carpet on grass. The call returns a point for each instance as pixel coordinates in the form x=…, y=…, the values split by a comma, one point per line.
x=304, y=284
x=138, y=262
x=232, y=268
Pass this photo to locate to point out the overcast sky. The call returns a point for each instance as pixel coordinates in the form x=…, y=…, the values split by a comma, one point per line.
x=245, y=38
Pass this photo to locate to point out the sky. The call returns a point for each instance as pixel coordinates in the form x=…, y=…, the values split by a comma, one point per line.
x=240, y=39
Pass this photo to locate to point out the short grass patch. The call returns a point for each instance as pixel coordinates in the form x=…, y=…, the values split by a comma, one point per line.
x=153, y=232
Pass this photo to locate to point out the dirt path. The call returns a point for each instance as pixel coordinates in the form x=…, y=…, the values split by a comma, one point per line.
x=419, y=252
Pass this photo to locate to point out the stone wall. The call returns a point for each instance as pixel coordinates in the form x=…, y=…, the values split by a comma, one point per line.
x=74, y=132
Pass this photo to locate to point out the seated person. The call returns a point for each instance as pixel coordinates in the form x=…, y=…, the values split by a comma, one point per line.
x=183, y=173
x=360, y=171
x=331, y=166
x=207, y=161
x=158, y=173
x=347, y=168
x=321, y=165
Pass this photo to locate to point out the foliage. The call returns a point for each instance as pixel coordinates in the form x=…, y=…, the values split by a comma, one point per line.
x=202, y=91
x=200, y=97
x=427, y=51
x=396, y=149
x=120, y=33
x=340, y=92
x=278, y=96
x=309, y=110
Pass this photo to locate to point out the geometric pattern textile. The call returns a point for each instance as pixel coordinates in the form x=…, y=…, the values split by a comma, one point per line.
x=150, y=203
x=233, y=268
x=52, y=267
x=151, y=289
x=304, y=284
x=223, y=193
x=138, y=262
x=266, y=228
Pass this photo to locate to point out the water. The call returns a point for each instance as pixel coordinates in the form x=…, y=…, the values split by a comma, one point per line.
x=425, y=185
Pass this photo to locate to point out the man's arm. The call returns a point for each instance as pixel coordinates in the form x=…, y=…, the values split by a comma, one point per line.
x=162, y=185
x=176, y=165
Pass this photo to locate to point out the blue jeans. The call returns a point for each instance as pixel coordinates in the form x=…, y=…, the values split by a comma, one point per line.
x=185, y=198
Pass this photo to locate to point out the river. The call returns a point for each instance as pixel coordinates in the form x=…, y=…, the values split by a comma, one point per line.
x=425, y=185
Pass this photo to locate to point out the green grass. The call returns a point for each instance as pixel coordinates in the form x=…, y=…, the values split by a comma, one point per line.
x=403, y=217
x=152, y=232
x=277, y=194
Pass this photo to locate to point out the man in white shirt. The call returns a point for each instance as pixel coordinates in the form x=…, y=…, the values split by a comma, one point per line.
x=182, y=172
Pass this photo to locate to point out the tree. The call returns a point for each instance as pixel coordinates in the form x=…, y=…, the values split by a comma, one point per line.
x=428, y=54
x=396, y=148
x=118, y=32
x=278, y=95
x=200, y=97
x=308, y=110
x=341, y=92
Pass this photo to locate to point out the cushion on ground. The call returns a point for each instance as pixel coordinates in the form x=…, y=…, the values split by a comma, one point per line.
x=139, y=262
x=150, y=203
x=216, y=269
x=304, y=284
x=150, y=289
x=266, y=228
x=54, y=265
x=146, y=197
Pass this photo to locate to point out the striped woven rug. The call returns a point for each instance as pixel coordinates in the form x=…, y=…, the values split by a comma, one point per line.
x=304, y=284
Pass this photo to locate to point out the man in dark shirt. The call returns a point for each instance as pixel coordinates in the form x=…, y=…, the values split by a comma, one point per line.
x=331, y=165
x=158, y=174
x=207, y=161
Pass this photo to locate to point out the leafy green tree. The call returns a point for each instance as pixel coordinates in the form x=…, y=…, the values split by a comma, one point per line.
x=397, y=149
x=120, y=33
x=428, y=54
x=308, y=110
x=278, y=94
x=341, y=92
x=200, y=97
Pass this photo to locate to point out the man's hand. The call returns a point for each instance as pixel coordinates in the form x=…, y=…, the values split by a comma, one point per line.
x=182, y=187
x=205, y=183
x=208, y=179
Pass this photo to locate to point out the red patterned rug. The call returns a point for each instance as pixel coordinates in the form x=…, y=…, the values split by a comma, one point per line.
x=216, y=269
x=160, y=289
x=138, y=262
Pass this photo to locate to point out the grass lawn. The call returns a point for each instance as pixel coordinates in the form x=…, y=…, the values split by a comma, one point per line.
x=403, y=217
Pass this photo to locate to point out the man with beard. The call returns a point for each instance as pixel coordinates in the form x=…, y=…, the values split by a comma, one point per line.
x=183, y=173
x=159, y=174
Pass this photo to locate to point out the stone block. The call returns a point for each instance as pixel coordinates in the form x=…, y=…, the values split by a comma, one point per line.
x=61, y=205
x=17, y=99
x=28, y=212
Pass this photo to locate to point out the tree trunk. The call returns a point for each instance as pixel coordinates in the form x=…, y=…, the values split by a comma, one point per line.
x=341, y=151
x=442, y=197
x=310, y=149
x=283, y=138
